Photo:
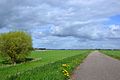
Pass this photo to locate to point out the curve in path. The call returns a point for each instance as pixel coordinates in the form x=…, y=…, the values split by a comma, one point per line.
x=98, y=66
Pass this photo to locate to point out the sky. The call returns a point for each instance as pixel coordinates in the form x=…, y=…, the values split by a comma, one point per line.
x=64, y=24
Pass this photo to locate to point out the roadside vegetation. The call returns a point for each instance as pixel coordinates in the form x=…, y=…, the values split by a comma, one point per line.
x=47, y=67
x=59, y=70
x=112, y=53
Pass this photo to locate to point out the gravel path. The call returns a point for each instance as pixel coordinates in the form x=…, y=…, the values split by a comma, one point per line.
x=98, y=66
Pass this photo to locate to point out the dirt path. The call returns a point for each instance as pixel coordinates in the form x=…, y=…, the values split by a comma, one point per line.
x=98, y=66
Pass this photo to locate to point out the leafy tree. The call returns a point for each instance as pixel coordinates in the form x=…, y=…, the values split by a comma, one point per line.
x=15, y=46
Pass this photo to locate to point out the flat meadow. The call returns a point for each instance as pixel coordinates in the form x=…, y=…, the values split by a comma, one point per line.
x=112, y=53
x=48, y=65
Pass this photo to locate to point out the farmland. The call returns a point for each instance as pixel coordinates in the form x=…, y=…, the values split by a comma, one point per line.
x=46, y=67
x=112, y=53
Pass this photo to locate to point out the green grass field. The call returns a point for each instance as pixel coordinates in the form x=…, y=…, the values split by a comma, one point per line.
x=112, y=53
x=46, y=67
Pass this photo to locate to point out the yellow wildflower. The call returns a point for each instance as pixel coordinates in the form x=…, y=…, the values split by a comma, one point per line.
x=64, y=65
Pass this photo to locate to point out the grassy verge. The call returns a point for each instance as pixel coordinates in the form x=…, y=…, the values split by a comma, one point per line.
x=112, y=53
x=46, y=57
x=51, y=71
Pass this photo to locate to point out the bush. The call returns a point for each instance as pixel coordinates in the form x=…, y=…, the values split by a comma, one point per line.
x=15, y=46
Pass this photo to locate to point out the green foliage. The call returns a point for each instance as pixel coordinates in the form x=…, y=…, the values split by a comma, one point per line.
x=51, y=71
x=15, y=46
x=46, y=57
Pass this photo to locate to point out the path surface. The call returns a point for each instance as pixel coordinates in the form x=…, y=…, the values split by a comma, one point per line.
x=98, y=66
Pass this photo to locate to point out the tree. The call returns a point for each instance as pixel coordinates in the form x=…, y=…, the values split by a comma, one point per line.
x=15, y=46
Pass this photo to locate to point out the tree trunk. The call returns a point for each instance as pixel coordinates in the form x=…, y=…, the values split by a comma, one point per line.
x=13, y=61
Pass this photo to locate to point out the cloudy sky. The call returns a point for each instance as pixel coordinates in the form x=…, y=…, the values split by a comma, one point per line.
x=74, y=24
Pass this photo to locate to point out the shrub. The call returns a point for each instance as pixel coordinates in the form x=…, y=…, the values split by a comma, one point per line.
x=15, y=46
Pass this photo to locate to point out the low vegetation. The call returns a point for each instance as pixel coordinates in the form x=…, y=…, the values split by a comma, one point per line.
x=48, y=67
x=112, y=53
x=59, y=70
